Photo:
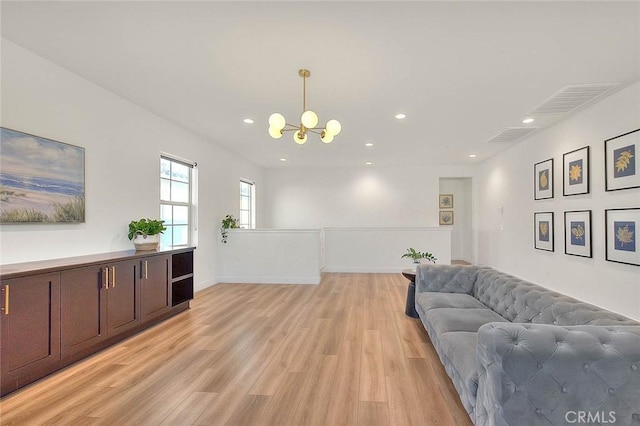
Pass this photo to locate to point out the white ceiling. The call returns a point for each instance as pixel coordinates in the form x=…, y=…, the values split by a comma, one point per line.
x=461, y=71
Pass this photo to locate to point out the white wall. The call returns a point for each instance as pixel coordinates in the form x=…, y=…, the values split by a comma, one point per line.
x=270, y=256
x=362, y=196
x=461, y=230
x=379, y=249
x=122, y=148
x=505, y=239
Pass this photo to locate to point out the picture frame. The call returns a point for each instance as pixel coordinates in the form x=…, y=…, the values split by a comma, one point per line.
x=577, y=233
x=43, y=180
x=446, y=217
x=543, y=180
x=621, y=234
x=446, y=201
x=621, y=161
x=543, y=231
x=575, y=172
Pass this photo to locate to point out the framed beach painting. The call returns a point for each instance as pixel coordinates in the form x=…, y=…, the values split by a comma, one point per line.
x=621, y=229
x=621, y=164
x=577, y=233
x=543, y=231
x=575, y=172
x=543, y=178
x=41, y=180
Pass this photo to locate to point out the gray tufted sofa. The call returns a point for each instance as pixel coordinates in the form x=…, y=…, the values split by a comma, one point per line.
x=520, y=354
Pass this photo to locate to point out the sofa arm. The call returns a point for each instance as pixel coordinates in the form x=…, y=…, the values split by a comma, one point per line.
x=446, y=278
x=546, y=374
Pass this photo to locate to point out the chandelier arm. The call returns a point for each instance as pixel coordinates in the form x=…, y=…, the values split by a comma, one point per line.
x=316, y=130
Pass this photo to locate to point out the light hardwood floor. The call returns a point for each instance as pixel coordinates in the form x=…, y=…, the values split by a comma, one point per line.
x=340, y=353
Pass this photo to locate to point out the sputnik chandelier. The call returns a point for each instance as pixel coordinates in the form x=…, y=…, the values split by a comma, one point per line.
x=308, y=121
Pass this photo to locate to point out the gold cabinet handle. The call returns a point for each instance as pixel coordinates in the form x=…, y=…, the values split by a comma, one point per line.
x=113, y=277
x=146, y=269
x=106, y=278
x=6, y=299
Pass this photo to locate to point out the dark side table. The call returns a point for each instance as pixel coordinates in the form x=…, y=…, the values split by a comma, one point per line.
x=410, y=309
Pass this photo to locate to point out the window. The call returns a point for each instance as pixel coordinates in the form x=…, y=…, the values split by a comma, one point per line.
x=176, y=178
x=247, y=205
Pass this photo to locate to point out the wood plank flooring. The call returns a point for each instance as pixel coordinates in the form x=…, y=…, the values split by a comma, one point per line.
x=340, y=353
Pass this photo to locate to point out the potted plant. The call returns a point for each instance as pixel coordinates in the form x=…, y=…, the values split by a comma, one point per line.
x=229, y=222
x=145, y=233
x=418, y=256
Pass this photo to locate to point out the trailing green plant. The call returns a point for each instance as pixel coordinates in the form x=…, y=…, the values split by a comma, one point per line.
x=416, y=255
x=146, y=227
x=229, y=222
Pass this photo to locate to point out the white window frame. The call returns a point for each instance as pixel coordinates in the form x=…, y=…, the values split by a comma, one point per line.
x=190, y=204
x=252, y=205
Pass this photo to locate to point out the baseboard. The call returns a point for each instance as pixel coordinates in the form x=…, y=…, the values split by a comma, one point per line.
x=366, y=270
x=269, y=280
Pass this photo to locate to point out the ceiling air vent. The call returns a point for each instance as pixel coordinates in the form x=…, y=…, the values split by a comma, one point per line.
x=572, y=97
x=512, y=134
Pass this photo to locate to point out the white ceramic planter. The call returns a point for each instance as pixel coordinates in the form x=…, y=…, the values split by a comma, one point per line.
x=147, y=242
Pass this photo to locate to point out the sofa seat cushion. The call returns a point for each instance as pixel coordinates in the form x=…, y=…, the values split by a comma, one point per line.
x=460, y=349
x=431, y=300
x=445, y=320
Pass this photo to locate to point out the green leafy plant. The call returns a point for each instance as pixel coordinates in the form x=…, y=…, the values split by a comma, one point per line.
x=416, y=255
x=229, y=222
x=146, y=227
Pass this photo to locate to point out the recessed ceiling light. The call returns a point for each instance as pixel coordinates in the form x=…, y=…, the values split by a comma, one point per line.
x=248, y=120
x=368, y=144
x=401, y=116
x=283, y=159
x=368, y=163
x=473, y=155
x=527, y=120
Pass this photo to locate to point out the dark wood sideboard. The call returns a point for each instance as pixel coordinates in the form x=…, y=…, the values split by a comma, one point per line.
x=54, y=313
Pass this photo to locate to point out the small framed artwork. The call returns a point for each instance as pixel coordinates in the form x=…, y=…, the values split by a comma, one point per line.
x=577, y=233
x=575, y=172
x=446, y=201
x=621, y=164
x=543, y=177
x=622, y=235
x=543, y=230
x=446, y=217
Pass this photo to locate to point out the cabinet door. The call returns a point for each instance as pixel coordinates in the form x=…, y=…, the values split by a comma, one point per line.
x=30, y=320
x=155, y=286
x=83, y=308
x=123, y=296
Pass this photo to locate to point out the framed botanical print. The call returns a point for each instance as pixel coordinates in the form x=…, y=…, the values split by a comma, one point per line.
x=622, y=167
x=543, y=230
x=575, y=172
x=543, y=178
x=621, y=228
x=577, y=233
x=446, y=201
x=446, y=217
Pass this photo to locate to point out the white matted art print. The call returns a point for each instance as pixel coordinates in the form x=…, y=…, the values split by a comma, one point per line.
x=575, y=172
x=577, y=233
x=622, y=163
x=622, y=235
x=543, y=230
x=543, y=179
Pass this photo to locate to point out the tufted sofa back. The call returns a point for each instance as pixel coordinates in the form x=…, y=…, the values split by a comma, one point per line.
x=524, y=302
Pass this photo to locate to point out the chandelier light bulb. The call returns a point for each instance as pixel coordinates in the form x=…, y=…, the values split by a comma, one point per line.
x=326, y=137
x=275, y=132
x=300, y=137
x=333, y=127
x=309, y=119
x=277, y=121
